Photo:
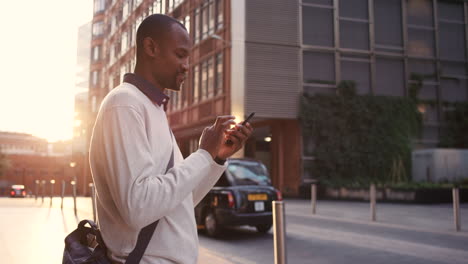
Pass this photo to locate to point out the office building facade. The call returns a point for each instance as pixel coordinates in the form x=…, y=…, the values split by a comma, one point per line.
x=262, y=55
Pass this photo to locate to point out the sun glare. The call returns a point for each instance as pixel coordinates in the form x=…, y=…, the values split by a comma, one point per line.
x=39, y=65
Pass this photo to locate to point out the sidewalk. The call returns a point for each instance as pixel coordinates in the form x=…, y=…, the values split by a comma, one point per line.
x=39, y=228
x=431, y=217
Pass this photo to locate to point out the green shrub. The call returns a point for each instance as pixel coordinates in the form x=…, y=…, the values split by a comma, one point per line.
x=360, y=139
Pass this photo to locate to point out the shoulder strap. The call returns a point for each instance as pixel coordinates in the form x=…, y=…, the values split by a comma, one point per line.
x=147, y=232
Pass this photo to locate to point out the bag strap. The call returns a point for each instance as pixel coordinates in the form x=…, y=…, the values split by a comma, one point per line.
x=146, y=233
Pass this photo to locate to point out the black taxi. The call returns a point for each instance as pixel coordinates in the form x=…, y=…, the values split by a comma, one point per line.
x=242, y=196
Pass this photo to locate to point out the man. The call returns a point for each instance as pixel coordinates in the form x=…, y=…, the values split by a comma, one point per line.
x=131, y=147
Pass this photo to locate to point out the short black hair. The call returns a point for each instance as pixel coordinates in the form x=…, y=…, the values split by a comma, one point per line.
x=155, y=26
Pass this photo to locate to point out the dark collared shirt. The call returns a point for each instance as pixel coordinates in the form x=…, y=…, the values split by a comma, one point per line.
x=151, y=91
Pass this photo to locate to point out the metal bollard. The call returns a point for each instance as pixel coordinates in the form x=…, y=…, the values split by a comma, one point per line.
x=279, y=237
x=43, y=189
x=456, y=208
x=372, y=202
x=313, y=196
x=36, y=189
x=52, y=183
x=93, y=200
x=73, y=183
x=63, y=194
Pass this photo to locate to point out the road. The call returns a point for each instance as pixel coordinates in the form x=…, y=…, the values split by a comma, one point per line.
x=340, y=232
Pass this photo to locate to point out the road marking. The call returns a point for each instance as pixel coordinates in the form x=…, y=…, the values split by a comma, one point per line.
x=418, y=250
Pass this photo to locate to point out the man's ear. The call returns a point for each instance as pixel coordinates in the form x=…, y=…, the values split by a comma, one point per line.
x=151, y=48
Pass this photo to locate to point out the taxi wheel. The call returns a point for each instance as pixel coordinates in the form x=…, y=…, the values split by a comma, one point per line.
x=263, y=228
x=212, y=226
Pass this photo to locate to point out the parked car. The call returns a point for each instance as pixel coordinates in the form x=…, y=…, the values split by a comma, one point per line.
x=242, y=196
x=17, y=191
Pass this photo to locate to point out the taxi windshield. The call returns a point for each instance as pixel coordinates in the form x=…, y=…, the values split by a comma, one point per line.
x=249, y=173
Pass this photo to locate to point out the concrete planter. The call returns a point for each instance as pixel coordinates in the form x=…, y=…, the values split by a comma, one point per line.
x=432, y=195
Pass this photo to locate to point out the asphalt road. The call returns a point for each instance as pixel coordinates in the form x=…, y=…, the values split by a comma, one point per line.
x=340, y=232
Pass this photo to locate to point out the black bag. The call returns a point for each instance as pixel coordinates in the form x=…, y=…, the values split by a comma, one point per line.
x=86, y=246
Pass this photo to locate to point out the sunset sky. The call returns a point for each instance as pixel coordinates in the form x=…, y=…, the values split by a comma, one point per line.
x=38, y=65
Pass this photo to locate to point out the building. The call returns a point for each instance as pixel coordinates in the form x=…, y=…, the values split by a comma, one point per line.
x=30, y=160
x=262, y=55
x=81, y=87
x=22, y=144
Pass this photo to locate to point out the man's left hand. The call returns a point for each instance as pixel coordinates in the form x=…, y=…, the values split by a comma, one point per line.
x=238, y=136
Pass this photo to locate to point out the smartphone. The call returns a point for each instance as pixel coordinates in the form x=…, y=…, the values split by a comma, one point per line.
x=229, y=142
x=248, y=118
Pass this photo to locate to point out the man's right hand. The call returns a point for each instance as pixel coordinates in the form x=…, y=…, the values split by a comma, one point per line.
x=213, y=137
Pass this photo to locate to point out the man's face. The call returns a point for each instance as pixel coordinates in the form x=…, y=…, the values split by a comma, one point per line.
x=173, y=60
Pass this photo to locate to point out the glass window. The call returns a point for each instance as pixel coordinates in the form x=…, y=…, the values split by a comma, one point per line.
x=171, y=5
x=390, y=78
x=356, y=69
x=421, y=42
x=450, y=10
x=197, y=18
x=98, y=29
x=319, y=68
x=125, y=10
x=452, y=41
x=95, y=78
x=453, y=89
x=157, y=7
x=212, y=18
x=99, y=6
x=219, y=73
x=211, y=77
x=388, y=29
x=96, y=53
x=424, y=68
x=204, y=80
x=420, y=12
x=317, y=26
x=196, y=83
x=163, y=6
x=354, y=9
x=354, y=35
x=124, y=43
x=205, y=12
x=220, y=12
x=450, y=69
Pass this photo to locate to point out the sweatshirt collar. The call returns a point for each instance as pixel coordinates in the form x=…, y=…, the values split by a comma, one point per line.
x=151, y=91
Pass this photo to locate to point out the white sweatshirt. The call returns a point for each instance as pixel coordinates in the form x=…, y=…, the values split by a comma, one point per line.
x=130, y=149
